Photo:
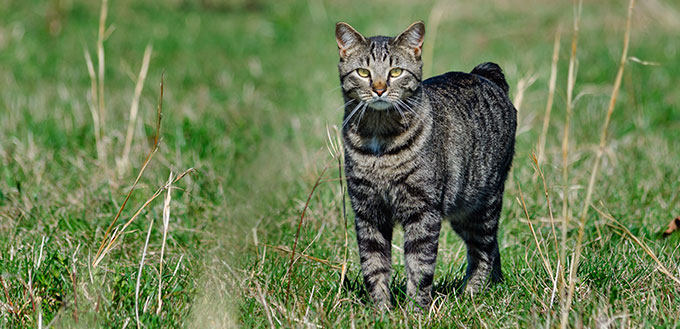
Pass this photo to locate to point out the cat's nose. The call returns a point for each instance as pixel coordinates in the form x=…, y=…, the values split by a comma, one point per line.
x=379, y=87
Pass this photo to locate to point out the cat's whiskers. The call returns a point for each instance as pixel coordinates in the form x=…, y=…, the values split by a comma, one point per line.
x=416, y=100
x=415, y=104
x=412, y=106
x=416, y=113
x=396, y=106
x=351, y=114
x=401, y=104
x=343, y=105
x=361, y=115
x=333, y=89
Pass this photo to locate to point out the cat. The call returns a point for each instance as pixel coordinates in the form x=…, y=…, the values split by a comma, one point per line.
x=419, y=152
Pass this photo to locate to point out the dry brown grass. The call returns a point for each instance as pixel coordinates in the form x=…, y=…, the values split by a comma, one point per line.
x=134, y=109
x=571, y=80
x=551, y=96
x=596, y=165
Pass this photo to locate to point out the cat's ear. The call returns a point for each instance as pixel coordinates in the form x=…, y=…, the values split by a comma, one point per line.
x=347, y=38
x=412, y=38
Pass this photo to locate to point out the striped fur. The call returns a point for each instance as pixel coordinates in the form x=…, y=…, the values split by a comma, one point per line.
x=428, y=151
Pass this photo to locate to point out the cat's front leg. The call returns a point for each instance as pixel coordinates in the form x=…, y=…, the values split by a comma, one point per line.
x=421, y=239
x=374, y=238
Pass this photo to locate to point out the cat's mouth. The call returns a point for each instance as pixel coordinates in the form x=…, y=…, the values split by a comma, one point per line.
x=380, y=104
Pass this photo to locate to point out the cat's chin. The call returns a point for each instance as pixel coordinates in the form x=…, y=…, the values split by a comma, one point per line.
x=380, y=105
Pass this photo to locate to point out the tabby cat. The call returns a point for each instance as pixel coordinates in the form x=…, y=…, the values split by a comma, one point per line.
x=418, y=152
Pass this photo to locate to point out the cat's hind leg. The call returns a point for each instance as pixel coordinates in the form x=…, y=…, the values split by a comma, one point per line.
x=479, y=232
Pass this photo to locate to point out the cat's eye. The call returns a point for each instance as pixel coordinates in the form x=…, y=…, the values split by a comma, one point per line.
x=364, y=73
x=395, y=72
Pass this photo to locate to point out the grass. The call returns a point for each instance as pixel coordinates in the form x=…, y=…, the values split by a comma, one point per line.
x=250, y=88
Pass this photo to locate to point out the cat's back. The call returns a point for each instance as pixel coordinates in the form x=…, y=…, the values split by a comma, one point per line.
x=474, y=124
x=449, y=83
x=477, y=100
x=488, y=91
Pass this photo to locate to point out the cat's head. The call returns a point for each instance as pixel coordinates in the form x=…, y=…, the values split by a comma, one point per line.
x=380, y=71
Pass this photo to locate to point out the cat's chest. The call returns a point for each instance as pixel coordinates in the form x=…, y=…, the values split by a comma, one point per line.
x=395, y=188
x=374, y=145
x=378, y=188
x=385, y=174
x=381, y=148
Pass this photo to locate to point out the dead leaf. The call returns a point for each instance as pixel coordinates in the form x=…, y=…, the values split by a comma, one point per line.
x=673, y=226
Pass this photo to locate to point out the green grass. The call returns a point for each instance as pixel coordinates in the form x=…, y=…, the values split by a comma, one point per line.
x=250, y=87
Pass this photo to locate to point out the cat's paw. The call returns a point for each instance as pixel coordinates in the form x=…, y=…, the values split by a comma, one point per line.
x=383, y=306
x=419, y=304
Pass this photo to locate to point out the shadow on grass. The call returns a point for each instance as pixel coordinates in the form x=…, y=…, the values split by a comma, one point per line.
x=448, y=285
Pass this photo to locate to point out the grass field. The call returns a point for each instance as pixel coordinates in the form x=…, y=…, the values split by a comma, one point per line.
x=250, y=89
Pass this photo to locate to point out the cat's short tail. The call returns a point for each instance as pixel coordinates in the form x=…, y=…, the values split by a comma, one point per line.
x=493, y=72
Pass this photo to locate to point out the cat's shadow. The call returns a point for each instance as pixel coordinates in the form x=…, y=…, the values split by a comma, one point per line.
x=448, y=286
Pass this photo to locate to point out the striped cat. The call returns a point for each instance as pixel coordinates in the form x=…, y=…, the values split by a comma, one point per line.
x=418, y=152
